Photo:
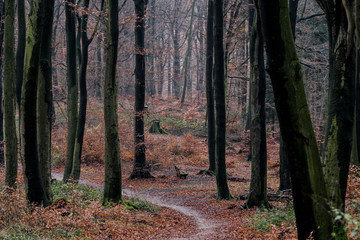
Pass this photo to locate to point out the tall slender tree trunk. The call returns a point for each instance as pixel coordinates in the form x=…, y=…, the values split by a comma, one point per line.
x=20, y=52
x=219, y=84
x=151, y=56
x=209, y=86
x=258, y=185
x=357, y=78
x=312, y=211
x=9, y=95
x=80, y=129
x=188, y=53
x=139, y=170
x=2, y=16
x=72, y=98
x=44, y=99
x=112, y=187
x=34, y=186
x=284, y=165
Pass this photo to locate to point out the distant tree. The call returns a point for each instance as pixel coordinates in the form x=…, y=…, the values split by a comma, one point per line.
x=175, y=33
x=34, y=187
x=312, y=211
x=188, y=53
x=219, y=84
x=139, y=170
x=44, y=99
x=9, y=95
x=258, y=185
x=209, y=86
x=112, y=185
x=2, y=16
x=72, y=85
x=80, y=130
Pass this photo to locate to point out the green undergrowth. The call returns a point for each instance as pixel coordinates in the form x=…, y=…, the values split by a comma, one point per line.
x=75, y=192
x=264, y=220
x=138, y=204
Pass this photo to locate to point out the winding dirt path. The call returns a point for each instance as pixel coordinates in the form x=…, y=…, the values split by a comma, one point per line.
x=206, y=228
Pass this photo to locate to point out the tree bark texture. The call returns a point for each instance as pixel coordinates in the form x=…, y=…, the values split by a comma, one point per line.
x=339, y=126
x=34, y=187
x=188, y=54
x=9, y=96
x=209, y=85
x=44, y=99
x=112, y=187
x=258, y=185
x=139, y=170
x=72, y=98
x=80, y=129
x=310, y=198
x=219, y=84
x=2, y=16
x=20, y=52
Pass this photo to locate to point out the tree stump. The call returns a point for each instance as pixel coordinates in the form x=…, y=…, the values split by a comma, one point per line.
x=180, y=173
x=156, y=128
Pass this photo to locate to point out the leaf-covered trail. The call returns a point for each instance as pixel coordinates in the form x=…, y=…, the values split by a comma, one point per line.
x=206, y=228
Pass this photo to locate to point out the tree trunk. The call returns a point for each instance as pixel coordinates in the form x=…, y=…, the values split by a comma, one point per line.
x=112, y=187
x=310, y=199
x=339, y=126
x=284, y=165
x=176, y=65
x=20, y=52
x=151, y=56
x=9, y=95
x=2, y=16
x=44, y=100
x=80, y=129
x=357, y=79
x=258, y=185
x=188, y=53
x=34, y=187
x=139, y=170
x=209, y=85
x=72, y=98
x=220, y=138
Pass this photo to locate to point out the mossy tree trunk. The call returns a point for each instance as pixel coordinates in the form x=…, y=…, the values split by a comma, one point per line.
x=357, y=80
x=34, y=187
x=139, y=170
x=20, y=51
x=284, y=162
x=9, y=95
x=258, y=185
x=112, y=185
x=2, y=15
x=220, y=106
x=72, y=98
x=312, y=211
x=339, y=126
x=209, y=85
x=44, y=99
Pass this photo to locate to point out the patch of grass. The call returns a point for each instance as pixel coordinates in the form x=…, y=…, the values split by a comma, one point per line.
x=138, y=204
x=75, y=191
x=263, y=220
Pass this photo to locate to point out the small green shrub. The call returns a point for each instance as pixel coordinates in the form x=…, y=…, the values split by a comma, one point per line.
x=138, y=204
x=264, y=219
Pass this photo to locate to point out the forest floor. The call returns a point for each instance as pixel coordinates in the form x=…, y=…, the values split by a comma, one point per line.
x=164, y=207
